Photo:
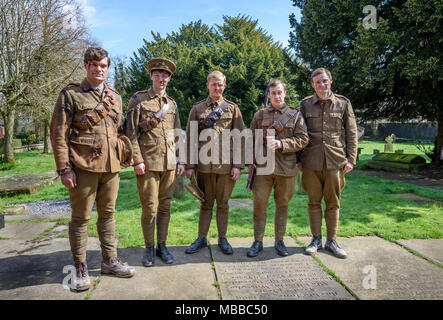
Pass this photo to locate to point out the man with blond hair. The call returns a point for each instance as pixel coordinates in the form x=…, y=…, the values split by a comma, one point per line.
x=330, y=154
x=215, y=178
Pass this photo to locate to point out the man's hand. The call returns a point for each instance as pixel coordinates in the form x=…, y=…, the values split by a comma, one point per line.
x=140, y=169
x=180, y=169
x=348, y=167
x=190, y=173
x=275, y=144
x=69, y=180
x=235, y=173
x=300, y=166
x=127, y=164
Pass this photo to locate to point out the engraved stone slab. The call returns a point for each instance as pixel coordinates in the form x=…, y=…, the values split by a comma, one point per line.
x=24, y=230
x=429, y=248
x=190, y=277
x=378, y=269
x=269, y=276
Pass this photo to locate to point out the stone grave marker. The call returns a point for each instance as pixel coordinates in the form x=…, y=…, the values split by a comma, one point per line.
x=389, y=147
x=179, y=191
x=298, y=185
x=271, y=277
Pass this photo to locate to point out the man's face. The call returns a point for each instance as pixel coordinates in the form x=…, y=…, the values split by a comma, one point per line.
x=216, y=87
x=97, y=71
x=160, y=80
x=277, y=95
x=321, y=84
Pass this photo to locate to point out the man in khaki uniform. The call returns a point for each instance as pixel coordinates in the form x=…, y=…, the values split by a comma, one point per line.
x=330, y=154
x=289, y=137
x=215, y=178
x=87, y=154
x=151, y=120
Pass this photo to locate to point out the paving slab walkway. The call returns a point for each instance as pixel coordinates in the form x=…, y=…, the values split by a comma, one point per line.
x=378, y=269
x=33, y=268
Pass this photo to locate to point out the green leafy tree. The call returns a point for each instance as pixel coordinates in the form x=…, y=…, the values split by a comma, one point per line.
x=391, y=72
x=243, y=52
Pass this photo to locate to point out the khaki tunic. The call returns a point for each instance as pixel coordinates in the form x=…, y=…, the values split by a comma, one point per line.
x=333, y=142
x=74, y=147
x=231, y=119
x=156, y=149
x=328, y=143
x=214, y=179
x=94, y=156
x=294, y=137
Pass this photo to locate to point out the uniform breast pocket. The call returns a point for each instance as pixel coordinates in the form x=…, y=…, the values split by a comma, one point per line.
x=335, y=120
x=149, y=146
x=313, y=121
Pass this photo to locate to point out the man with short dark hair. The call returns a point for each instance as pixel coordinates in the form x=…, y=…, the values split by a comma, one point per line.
x=289, y=136
x=151, y=120
x=88, y=155
x=329, y=155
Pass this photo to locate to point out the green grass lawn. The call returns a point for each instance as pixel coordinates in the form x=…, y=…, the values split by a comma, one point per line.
x=367, y=209
x=28, y=162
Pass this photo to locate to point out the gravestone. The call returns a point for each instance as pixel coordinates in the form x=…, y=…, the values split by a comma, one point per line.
x=2, y=221
x=271, y=277
x=179, y=191
x=298, y=185
x=396, y=162
x=389, y=147
x=25, y=183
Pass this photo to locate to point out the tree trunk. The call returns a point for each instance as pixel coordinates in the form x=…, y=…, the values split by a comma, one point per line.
x=439, y=141
x=9, y=136
x=47, y=141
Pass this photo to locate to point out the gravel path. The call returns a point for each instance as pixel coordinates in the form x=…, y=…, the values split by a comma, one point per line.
x=48, y=207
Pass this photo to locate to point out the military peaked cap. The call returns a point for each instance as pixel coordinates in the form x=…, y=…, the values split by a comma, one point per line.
x=161, y=64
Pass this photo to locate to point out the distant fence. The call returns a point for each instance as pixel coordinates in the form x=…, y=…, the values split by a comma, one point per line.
x=423, y=131
x=30, y=147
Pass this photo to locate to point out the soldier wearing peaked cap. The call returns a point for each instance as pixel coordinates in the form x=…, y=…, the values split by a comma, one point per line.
x=151, y=120
x=329, y=155
x=88, y=154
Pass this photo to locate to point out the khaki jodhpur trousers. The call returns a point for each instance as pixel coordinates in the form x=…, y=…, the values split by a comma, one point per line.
x=155, y=189
x=217, y=187
x=102, y=188
x=327, y=183
x=283, y=192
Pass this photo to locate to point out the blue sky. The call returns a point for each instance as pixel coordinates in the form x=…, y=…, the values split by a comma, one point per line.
x=120, y=26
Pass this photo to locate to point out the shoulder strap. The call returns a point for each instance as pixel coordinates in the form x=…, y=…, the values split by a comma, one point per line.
x=291, y=115
x=260, y=118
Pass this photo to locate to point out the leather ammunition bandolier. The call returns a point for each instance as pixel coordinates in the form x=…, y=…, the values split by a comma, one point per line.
x=216, y=114
x=152, y=121
x=100, y=112
x=280, y=124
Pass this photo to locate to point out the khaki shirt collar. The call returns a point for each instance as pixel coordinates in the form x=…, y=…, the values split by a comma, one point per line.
x=85, y=85
x=152, y=94
x=282, y=109
x=211, y=102
x=331, y=98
